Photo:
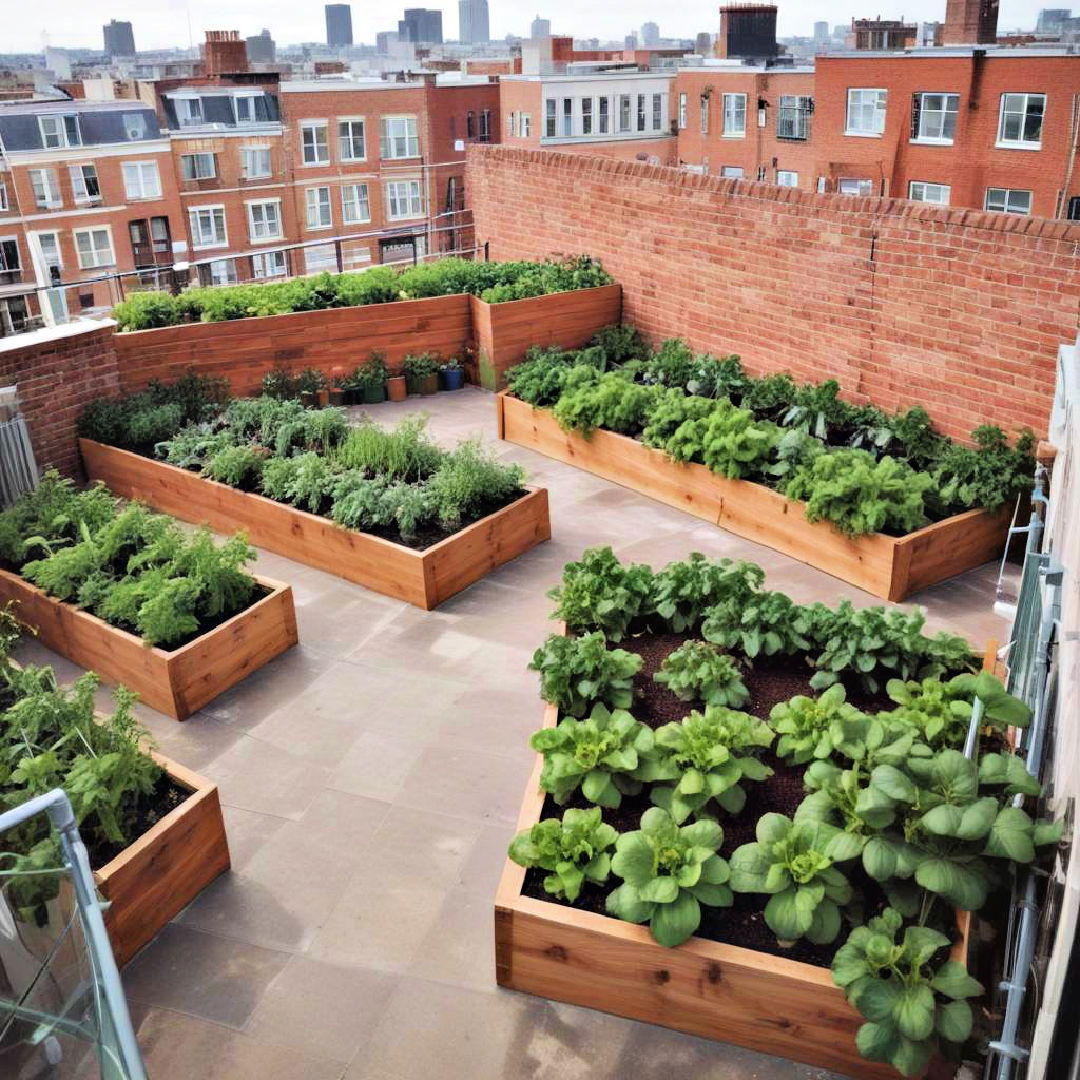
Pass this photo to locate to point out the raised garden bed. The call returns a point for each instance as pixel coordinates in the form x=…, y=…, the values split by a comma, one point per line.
x=176, y=682
x=888, y=567
x=424, y=578
x=160, y=873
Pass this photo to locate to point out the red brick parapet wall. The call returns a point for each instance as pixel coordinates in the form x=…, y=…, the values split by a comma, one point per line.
x=903, y=304
x=58, y=371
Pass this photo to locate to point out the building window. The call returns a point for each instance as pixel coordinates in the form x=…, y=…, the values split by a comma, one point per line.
x=10, y=263
x=921, y=191
x=586, y=116
x=683, y=109
x=351, y=146
x=208, y=226
x=189, y=111
x=865, y=112
x=197, y=166
x=1008, y=200
x=84, y=183
x=255, y=162
x=141, y=180
x=568, y=117
x=734, y=116
x=524, y=124
x=603, y=116
x=219, y=272
x=641, y=112
x=49, y=244
x=264, y=220
x=732, y=172
x=59, y=130
x=1020, y=125
x=403, y=199
x=314, y=142
x=46, y=189
x=933, y=117
x=657, y=111
x=793, y=116
x=485, y=125
x=550, y=119
x=135, y=126
x=94, y=247
x=786, y=178
x=704, y=114
x=399, y=137
x=317, y=206
x=322, y=258
x=269, y=264
x=3, y=197
x=1073, y=211
x=354, y=204
x=853, y=186
x=245, y=108
x=470, y=125
x=624, y=112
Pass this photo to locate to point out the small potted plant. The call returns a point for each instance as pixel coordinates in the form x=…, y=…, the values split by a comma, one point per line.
x=308, y=384
x=337, y=386
x=277, y=383
x=451, y=375
x=396, y=388
x=421, y=374
x=373, y=374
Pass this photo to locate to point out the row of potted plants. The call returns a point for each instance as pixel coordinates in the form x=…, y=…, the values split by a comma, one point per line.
x=369, y=383
x=721, y=763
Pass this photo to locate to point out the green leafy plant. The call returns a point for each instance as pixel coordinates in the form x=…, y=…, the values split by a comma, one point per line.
x=698, y=671
x=540, y=377
x=668, y=871
x=812, y=728
x=599, y=592
x=573, y=851
x=418, y=367
x=684, y=591
x=575, y=672
x=670, y=411
x=278, y=383
x=599, y=755
x=235, y=465
x=791, y=862
x=471, y=481
x=611, y=400
x=728, y=440
x=704, y=757
x=761, y=624
x=986, y=476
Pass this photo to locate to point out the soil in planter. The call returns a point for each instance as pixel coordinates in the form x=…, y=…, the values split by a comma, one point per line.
x=149, y=810
x=770, y=681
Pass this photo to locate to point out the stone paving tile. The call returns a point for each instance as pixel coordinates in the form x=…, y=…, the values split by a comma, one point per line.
x=370, y=780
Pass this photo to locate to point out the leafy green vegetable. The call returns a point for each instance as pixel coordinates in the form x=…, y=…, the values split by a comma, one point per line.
x=727, y=440
x=761, y=624
x=698, y=671
x=816, y=728
x=577, y=671
x=598, y=592
x=573, y=850
x=684, y=591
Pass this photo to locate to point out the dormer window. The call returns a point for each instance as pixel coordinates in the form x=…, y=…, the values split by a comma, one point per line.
x=60, y=130
x=189, y=111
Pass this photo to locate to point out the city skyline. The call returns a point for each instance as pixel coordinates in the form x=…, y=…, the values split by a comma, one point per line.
x=180, y=24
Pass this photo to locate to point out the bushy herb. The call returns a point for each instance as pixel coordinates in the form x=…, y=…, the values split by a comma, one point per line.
x=235, y=465
x=540, y=377
x=698, y=671
x=469, y=481
x=599, y=592
x=577, y=671
x=420, y=366
x=573, y=851
x=405, y=453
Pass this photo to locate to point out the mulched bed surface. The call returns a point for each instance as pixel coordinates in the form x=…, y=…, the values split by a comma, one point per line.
x=770, y=680
x=150, y=809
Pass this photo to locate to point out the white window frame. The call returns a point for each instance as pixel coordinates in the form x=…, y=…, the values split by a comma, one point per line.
x=626, y=113
x=359, y=197
x=1004, y=143
x=945, y=112
x=566, y=116
x=860, y=181
x=268, y=262
x=732, y=172
x=58, y=261
x=228, y=277
x=796, y=109
x=319, y=147
x=414, y=199
x=62, y=135
x=96, y=263
x=586, y=116
x=247, y=154
x=731, y=110
x=195, y=158
x=50, y=187
x=684, y=109
x=787, y=178
x=79, y=188
x=551, y=118
x=524, y=125
x=192, y=110
x=603, y=115
x=918, y=190
x=704, y=118
x=250, y=101
x=17, y=268
x=347, y=140
x=314, y=205
x=875, y=108
x=3, y=197
x=260, y=221
x=1006, y=196
x=135, y=170
x=390, y=140
x=196, y=233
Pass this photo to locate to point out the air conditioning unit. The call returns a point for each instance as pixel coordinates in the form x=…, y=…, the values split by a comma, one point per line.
x=134, y=133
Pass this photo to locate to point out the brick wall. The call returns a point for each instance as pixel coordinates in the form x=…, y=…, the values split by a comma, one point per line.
x=58, y=372
x=902, y=303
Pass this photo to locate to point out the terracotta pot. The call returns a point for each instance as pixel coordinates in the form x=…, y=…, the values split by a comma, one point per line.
x=323, y=397
x=395, y=388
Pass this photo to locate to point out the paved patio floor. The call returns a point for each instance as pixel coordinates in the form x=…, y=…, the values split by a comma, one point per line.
x=371, y=780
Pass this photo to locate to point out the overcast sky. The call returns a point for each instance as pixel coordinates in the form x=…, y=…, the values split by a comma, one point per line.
x=164, y=23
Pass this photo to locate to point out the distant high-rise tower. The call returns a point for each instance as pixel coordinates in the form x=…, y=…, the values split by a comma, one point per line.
x=261, y=48
x=119, y=38
x=421, y=25
x=541, y=28
x=650, y=34
x=821, y=33
x=473, y=28
x=385, y=40
x=970, y=22
x=338, y=24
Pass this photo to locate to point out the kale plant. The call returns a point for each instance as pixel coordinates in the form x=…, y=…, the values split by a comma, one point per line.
x=728, y=440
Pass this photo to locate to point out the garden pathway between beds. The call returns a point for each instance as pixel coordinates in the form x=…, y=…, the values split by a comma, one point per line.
x=371, y=778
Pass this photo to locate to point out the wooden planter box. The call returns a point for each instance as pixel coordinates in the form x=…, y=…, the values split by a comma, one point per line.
x=723, y=992
x=424, y=578
x=889, y=567
x=505, y=332
x=176, y=682
x=158, y=875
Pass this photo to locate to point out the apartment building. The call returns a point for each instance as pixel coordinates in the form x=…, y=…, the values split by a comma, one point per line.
x=615, y=112
x=87, y=190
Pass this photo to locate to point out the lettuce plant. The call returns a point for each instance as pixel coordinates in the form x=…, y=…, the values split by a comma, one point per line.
x=668, y=872
x=912, y=998
x=698, y=671
x=612, y=401
x=726, y=440
x=670, y=411
x=577, y=671
x=599, y=754
x=599, y=593
x=792, y=863
x=573, y=850
x=817, y=727
x=684, y=591
x=761, y=624
x=704, y=757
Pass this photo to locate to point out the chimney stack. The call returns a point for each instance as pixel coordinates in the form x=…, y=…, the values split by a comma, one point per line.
x=970, y=22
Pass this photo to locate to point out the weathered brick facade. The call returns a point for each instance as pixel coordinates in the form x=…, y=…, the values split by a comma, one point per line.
x=957, y=310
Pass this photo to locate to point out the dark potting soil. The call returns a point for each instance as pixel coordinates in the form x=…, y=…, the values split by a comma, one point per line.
x=770, y=680
x=149, y=810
